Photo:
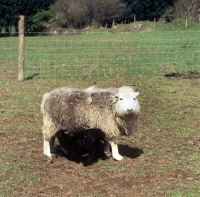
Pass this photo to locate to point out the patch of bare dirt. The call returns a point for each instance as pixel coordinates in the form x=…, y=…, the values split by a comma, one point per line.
x=144, y=172
x=189, y=75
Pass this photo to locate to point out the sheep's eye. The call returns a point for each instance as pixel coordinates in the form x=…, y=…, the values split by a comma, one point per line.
x=121, y=99
x=134, y=99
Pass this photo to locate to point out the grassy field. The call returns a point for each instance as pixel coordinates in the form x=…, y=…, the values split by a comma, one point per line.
x=99, y=55
x=161, y=159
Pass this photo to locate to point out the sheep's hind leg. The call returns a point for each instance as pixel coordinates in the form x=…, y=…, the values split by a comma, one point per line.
x=115, y=152
x=106, y=149
x=52, y=148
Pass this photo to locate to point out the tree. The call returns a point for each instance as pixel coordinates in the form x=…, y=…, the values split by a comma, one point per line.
x=146, y=9
x=87, y=12
x=8, y=14
x=187, y=9
x=30, y=8
x=11, y=9
x=42, y=19
x=107, y=11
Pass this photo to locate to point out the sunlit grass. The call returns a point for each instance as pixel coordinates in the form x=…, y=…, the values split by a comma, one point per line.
x=168, y=134
x=103, y=55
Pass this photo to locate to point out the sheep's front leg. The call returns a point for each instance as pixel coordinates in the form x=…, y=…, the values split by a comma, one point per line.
x=107, y=149
x=115, y=152
x=47, y=148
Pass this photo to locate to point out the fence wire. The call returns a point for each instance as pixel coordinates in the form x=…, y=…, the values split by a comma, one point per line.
x=93, y=56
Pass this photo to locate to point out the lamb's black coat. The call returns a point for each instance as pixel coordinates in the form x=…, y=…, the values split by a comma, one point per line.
x=84, y=142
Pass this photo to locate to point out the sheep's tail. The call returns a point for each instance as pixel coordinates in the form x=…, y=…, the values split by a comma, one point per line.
x=44, y=98
x=90, y=89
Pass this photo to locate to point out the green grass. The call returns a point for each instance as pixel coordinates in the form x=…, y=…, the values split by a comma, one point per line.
x=161, y=159
x=168, y=135
x=99, y=55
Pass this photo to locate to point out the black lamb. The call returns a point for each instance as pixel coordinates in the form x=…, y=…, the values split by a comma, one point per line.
x=86, y=142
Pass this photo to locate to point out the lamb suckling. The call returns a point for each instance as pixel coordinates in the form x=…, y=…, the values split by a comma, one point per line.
x=87, y=142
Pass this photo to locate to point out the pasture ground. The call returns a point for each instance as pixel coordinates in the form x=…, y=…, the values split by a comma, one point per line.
x=161, y=159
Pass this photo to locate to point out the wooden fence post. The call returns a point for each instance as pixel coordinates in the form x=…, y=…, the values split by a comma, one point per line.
x=186, y=24
x=21, y=49
x=113, y=23
x=154, y=22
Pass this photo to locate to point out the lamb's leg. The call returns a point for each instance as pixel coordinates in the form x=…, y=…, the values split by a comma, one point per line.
x=107, y=149
x=115, y=152
x=90, y=158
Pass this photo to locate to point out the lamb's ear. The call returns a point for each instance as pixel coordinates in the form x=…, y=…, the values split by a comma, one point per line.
x=136, y=94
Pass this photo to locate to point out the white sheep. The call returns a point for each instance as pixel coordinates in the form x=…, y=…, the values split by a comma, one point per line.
x=114, y=111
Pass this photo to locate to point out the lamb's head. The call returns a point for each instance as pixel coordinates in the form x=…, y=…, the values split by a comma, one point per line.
x=126, y=101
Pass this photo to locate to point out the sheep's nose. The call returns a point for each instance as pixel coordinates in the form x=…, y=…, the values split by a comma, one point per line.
x=129, y=111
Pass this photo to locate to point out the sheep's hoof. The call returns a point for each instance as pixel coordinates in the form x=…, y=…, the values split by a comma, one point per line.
x=49, y=159
x=117, y=157
x=108, y=153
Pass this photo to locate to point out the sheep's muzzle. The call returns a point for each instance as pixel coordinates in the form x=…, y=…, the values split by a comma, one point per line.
x=129, y=111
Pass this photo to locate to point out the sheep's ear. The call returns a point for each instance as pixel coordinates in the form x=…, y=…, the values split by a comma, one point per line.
x=136, y=94
x=115, y=98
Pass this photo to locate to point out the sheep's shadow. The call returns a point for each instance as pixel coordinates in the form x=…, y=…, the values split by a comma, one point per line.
x=130, y=152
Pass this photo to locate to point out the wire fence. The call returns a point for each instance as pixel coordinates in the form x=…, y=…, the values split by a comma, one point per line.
x=91, y=56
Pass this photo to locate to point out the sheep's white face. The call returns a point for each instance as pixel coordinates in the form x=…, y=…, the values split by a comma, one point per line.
x=127, y=102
